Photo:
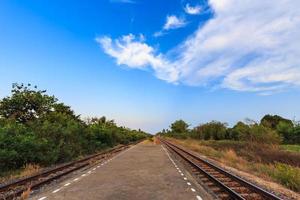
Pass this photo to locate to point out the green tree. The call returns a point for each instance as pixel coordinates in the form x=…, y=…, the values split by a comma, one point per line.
x=26, y=104
x=36, y=128
x=272, y=121
x=240, y=130
x=286, y=130
x=213, y=130
x=259, y=134
x=179, y=126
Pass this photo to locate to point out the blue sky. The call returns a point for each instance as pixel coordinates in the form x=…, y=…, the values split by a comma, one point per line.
x=148, y=63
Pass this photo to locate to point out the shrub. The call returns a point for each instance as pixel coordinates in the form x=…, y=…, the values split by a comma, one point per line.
x=36, y=129
x=287, y=175
x=261, y=135
x=213, y=130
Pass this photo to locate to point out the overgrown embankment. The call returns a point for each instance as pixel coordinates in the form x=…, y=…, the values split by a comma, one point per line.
x=268, y=149
x=37, y=131
x=246, y=158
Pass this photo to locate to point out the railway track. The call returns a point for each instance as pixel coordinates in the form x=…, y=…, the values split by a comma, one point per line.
x=13, y=190
x=221, y=183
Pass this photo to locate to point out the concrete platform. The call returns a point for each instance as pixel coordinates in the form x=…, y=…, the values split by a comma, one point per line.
x=144, y=171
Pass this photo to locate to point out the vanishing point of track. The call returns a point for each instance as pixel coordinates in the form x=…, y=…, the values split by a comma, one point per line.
x=223, y=184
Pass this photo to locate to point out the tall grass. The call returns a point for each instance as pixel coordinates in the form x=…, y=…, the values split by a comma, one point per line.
x=284, y=174
x=291, y=148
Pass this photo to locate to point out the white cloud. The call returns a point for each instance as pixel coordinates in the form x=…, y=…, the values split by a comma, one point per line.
x=248, y=45
x=192, y=10
x=122, y=1
x=173, y=22
x=134, y=53
x=159, y=33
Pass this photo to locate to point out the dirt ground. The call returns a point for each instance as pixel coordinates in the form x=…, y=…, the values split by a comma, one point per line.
x=145, y=171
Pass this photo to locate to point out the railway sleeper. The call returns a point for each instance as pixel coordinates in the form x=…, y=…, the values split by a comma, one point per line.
x=253, y=196
x=231, y=184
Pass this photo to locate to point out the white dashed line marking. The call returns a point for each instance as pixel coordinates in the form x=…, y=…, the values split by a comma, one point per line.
x=42, y=198
x=83, y=175
x=192, y=189
x=67, y=184
x=56, y=190
x=76, y=179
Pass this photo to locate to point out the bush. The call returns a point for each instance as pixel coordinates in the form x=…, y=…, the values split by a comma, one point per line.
x=210, y=131
x=261, y=135
x=287, y=175
x=36, y=129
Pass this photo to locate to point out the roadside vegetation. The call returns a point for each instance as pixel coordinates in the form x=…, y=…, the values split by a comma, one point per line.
x=268, y=149
x=36, y=130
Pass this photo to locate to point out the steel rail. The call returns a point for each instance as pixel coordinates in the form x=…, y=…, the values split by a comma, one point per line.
x=74, y=165
x=235, y=195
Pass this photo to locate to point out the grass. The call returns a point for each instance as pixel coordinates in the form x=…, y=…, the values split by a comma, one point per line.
x=226, y=153
x=291, y=147
x=27, y=170
x=25, y=195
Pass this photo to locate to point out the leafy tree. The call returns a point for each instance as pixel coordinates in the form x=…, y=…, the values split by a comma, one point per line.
x=295, y=137
x=26, y=104
x=213, y=130
x=240, y=130
x=179, y=126
x=62, y=108
x=179, y=129
x=285, y=130
x=36, y=128
x=272, y=121
x=290, y=134
x=261, y=135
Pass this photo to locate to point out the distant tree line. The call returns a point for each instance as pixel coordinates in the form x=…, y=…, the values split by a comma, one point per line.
x=272, y=129
x=37, y=129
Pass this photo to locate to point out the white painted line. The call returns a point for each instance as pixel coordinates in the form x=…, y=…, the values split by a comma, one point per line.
x=67, y=184
x=185, y=178
x=42, y=198
x=188, y=183
x=182, y=174
x=198, y=197
x=179, y=171
x=193, y=189
x=102, y=164
x=89, y=172
x=83, y=175
x=94, y=168
x=56, y=190
x=76, y=179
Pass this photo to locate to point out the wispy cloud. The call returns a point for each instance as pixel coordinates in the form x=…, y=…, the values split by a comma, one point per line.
x=249, y=45
x=122, y=1
x=133, y=52
x=192, y=10
x=173, y=22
